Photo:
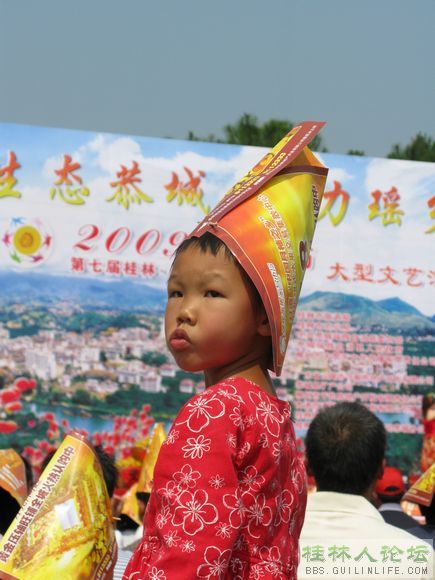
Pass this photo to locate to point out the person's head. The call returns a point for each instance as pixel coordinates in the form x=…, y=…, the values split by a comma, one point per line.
x=215, y=320
x=390, y=487
x=345, y=448
x=110, y=471
x=9, y=509
x=429, y=512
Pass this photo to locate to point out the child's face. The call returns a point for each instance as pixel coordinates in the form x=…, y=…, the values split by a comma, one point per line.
x=210, y=321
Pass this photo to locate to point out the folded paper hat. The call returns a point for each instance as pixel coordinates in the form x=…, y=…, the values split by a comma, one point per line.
x=267, y=221
x=391, y=482
x=423, y=490
x=13, y=474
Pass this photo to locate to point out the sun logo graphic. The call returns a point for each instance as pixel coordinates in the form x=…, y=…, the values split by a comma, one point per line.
x=28, y=241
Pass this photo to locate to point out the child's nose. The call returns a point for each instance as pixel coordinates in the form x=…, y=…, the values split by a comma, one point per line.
x=186, y=313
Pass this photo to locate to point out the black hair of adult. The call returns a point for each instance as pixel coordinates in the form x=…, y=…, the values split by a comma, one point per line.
x=29, y=473
x=428, y=511
x=110, y=472
x=390, y=498
x=8, y=510
x=345, y=447
x=211, y=243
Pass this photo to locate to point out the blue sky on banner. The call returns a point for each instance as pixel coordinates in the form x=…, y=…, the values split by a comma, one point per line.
x=355, y=240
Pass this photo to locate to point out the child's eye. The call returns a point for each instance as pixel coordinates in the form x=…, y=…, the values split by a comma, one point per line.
x=174, y=294
x=213, y=294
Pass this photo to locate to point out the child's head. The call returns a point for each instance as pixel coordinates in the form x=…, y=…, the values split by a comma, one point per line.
x=215, y=319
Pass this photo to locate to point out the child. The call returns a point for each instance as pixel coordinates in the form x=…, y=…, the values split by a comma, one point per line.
x=229, y=491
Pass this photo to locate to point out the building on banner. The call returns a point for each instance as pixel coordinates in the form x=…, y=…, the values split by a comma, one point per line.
x=88, y=225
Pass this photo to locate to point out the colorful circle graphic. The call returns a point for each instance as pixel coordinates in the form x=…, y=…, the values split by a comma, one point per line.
x=28, y=241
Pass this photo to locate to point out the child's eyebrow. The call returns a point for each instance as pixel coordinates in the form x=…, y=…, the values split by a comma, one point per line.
x=207, y=276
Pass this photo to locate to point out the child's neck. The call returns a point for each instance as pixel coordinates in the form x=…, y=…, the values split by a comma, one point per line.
x=255, y=373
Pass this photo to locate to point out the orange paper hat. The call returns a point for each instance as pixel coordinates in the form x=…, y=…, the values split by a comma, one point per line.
x=13, y=475
x=422, y=491
x=267, y=221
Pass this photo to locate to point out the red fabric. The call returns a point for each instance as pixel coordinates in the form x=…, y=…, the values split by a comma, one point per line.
x=429, y=426
x=229, y=491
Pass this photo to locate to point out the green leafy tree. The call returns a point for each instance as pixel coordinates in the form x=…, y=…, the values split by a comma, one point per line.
x=421, y=148
x=356, y=152
x=248, y=131
x=82, y=397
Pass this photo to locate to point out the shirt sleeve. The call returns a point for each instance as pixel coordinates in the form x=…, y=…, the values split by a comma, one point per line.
x=196, y=511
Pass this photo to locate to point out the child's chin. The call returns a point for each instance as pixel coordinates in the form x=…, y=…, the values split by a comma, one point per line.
x=189, y=367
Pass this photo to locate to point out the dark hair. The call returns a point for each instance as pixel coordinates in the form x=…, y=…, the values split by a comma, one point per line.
x=9, y=509
x=390, y=498
x=211, y=243
x=110, y=472
x=428, y=511
x=345, y=447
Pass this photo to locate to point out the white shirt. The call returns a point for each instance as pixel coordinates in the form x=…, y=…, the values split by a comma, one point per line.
x=341, y=517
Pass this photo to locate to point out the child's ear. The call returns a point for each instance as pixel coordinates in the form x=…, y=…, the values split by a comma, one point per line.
x=263, y=325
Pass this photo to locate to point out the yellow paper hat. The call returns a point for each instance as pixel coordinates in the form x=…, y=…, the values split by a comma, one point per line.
x=13, y=474
x=423, y=490
x=64, y=528
x=150, y=459
x=267, y=221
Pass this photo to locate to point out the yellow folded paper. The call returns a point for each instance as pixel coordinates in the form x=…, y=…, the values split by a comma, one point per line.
x=64, y=529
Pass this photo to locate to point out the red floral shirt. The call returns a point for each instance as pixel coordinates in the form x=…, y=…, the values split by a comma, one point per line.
x=229, y=491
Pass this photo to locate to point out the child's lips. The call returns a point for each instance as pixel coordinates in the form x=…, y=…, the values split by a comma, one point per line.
x=179, y=340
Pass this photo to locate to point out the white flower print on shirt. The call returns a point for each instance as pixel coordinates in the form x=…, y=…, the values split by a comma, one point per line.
x=216, y=563
x=195, y=448
x=169, y=492
x=230, y=392
x=201, y=410
x=284, y=502
x=231, y=440
x=163, y=517
x=172, y=437
x=223, y=530
x=188, y=546
x=268, y=414
x=263, y=441
x=234, y=503
x=250, y=420
x=256, y=572
x=216, y=481
x=297, y=476
x=250, y=479
x=171, y=538
x=277, y=450
x=257, y=512
x=243, y=452
x=194, y=512
x=237, y=418
x=186, y=478
x=272, y=558
x=156, y=574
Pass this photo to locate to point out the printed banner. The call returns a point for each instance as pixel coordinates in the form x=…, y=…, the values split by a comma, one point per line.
x=64, y=529
x=88, y=225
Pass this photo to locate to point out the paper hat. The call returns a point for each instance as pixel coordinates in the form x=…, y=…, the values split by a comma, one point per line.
x=422, y=491
x=13, y=475
x=267, y=221
x=150, y=459
x=391, y=482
